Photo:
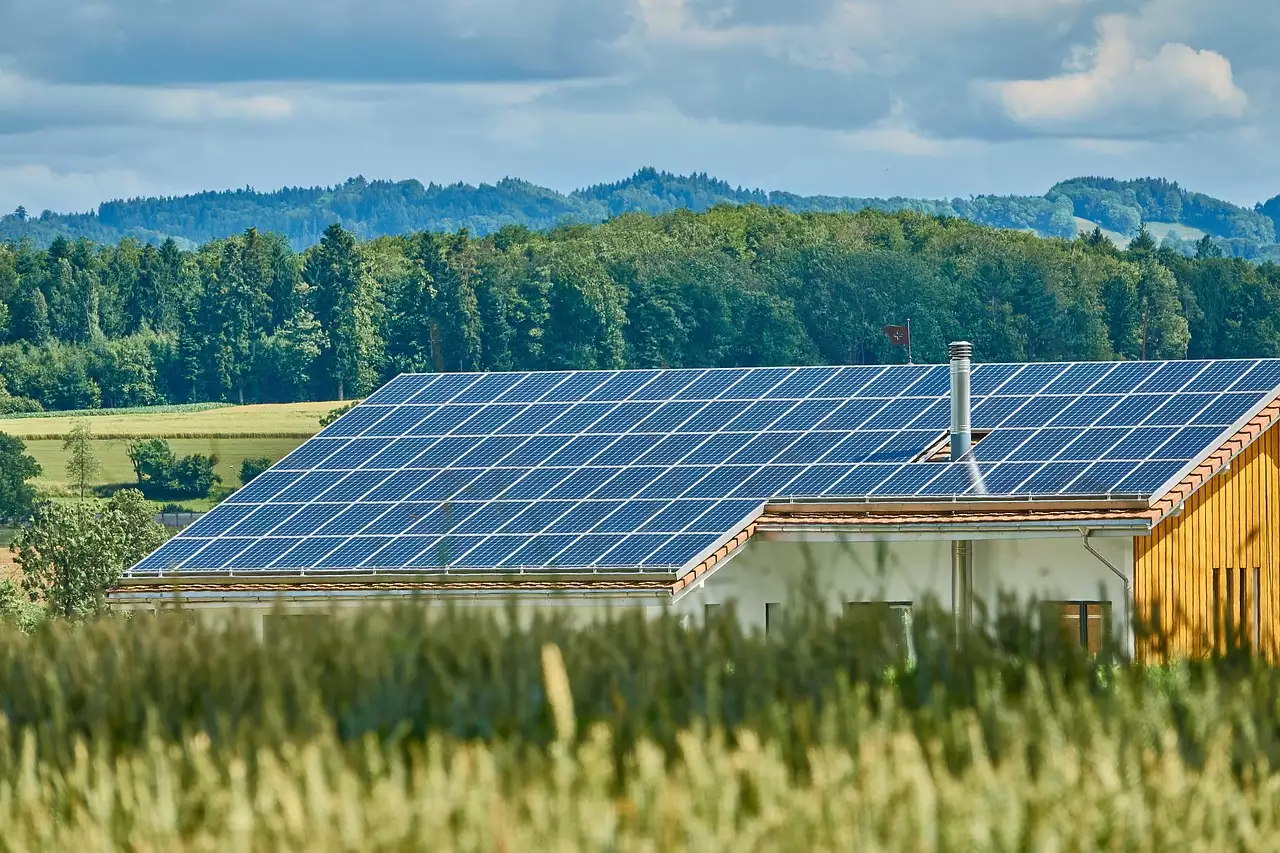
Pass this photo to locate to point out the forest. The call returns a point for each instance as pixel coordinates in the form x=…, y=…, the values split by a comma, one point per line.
x=387, y=208
x=248, y=319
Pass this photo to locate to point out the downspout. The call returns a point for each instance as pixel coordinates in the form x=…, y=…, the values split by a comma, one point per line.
x=961, y=353
x=1124, y=579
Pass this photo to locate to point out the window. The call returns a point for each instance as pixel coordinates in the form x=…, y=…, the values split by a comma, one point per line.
x=894, y=617
x=772, y=616
x=1081, y=621
x=1237, y=614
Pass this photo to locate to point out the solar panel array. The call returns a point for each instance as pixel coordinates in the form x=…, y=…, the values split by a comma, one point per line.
x=646, y=469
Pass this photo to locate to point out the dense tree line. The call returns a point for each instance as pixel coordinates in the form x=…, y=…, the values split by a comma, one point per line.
x=387, y=208
x=248, y=319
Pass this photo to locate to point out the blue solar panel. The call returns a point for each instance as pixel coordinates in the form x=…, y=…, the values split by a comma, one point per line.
x=674, y=481
x=585, y=550
x=621, y=386
x=306, y=520
x=1031, y=379
x=1139, y=443
x=632, y=550
x=898, y=414
x=1264, y=377
x=989, y=377
x=1226, y=410
x=310, y=454
x=536, y=483
x=672, y=449
x=814, y=481
x=679, y=550
x=490, y=517
x=353, y=519
x=647, y=468
x=445, y=388
x=533, y=386
x=1219, y=376
x=994, y=411
x=848, y=382
x=768, y=481
x=356, y=421
x=397, y=553
x=400, y=389
x=219, y=519
x=630, y=516
x=801, y=383
x=626, y=449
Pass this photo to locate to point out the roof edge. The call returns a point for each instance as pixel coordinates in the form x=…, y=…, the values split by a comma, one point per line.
x=1215, y=461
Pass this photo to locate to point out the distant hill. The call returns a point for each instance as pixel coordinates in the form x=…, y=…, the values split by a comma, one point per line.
x=375, y=208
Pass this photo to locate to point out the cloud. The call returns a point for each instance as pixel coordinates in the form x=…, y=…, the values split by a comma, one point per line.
x=1114, y=91
x=168, y=42
x=28, y=105
x=41, y=188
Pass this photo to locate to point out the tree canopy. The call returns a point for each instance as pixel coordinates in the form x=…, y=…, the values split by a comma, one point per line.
x=248, y=319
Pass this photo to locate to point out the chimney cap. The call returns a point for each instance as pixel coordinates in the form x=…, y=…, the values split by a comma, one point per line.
x=960, y=350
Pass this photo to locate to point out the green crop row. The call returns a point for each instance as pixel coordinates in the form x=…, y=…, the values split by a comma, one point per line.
x=135, y=410
x=484, y=729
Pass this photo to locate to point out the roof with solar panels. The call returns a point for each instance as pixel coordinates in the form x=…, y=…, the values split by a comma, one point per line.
x=645, y=475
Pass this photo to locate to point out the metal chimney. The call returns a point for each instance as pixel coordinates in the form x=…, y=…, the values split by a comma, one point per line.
x=961, y=439
x=961, y=427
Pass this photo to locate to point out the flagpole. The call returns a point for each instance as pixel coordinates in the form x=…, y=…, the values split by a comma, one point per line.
x=909, y=361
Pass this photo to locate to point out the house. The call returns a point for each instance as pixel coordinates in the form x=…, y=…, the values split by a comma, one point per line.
x=1110, y=490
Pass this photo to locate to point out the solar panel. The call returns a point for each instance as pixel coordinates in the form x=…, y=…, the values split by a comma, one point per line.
x=647, y=468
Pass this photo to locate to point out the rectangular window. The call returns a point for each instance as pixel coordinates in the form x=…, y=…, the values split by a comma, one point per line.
x=1237, y=608
x=772, y=616
x=1081, y=621
x=894, y=616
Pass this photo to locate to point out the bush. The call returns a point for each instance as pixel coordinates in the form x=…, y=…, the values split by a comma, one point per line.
x=251, y=468
x=160, y=474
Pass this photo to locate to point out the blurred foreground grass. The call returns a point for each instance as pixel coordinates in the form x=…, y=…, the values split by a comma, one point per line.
x=459, y=730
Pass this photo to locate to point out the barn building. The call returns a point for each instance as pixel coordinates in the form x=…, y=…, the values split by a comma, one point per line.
x=1107, y=490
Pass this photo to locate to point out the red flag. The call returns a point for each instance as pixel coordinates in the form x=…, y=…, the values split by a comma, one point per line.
x=899, y=335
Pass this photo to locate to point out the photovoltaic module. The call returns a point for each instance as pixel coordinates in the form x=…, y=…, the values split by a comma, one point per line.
x=644, y=470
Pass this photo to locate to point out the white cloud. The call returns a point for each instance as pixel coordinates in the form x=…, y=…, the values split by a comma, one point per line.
x=38, y=187
x=1114, y=91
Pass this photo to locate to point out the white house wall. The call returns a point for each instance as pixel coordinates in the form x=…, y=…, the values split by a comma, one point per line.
x=767, y=571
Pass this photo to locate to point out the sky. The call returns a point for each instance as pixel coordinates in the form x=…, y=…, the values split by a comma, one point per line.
x=104, y=99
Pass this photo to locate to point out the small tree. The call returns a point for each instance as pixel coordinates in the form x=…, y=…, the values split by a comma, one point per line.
x=71, y=555
x=82, y=464
x=152, y=461
x=250, y=468
x=17, y=496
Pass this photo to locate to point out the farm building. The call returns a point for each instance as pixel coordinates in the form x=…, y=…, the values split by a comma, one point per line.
x=1104, y=490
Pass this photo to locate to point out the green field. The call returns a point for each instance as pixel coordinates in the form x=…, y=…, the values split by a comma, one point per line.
x=460, y=730
x=232, y=433
x=1086, y=226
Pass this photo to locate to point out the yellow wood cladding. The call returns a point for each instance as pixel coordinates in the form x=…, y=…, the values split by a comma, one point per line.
x=1217, y=564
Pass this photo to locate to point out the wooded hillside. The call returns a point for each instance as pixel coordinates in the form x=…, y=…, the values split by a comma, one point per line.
x=248, y=319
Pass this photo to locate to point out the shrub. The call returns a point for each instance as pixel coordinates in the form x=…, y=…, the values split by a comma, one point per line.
x=250, y=468
x=160, y=474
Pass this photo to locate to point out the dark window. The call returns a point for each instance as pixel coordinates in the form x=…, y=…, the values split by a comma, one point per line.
x=1080, y=621
x=772, y=616
x=1237, y=616
x=893, y=617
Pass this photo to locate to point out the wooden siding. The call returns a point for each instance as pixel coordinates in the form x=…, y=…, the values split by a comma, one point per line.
x=1189, y=573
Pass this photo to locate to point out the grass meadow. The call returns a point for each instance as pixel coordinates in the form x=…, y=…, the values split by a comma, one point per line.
x=232, y=433
x=399, y=730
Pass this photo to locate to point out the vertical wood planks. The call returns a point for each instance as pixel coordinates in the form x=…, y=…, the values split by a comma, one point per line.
x=1231, y=522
